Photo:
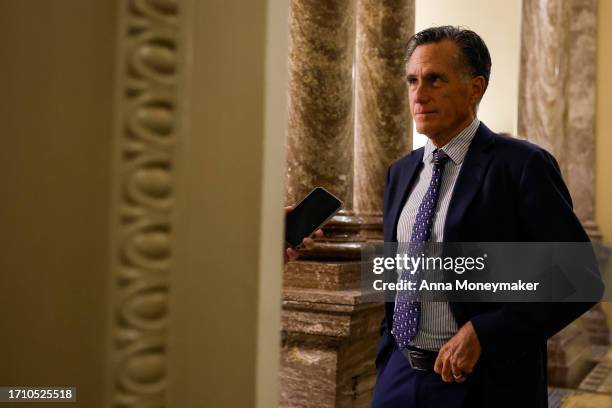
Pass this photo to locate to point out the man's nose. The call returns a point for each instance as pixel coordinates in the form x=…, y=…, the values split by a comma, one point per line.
x=420, y=94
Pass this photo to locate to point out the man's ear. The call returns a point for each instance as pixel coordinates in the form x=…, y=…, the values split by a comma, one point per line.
x=478, y=88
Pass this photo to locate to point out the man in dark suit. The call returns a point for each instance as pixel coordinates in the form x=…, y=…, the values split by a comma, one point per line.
x=468, y=184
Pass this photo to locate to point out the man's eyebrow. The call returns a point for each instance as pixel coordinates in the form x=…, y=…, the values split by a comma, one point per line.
x=436, y=74
x=429, y=75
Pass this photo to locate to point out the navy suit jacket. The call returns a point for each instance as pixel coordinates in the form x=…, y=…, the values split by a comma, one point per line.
x=508, y=190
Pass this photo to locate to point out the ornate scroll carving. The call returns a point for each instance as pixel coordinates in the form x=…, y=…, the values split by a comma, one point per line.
x=141, y=256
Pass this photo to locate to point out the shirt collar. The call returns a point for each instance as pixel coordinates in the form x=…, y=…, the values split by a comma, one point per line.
x=457, y=147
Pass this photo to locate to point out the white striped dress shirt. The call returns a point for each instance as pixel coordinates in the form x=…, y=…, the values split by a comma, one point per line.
x=436, y=322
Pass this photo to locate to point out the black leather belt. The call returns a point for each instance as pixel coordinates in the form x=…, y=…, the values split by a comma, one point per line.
x=419, y=359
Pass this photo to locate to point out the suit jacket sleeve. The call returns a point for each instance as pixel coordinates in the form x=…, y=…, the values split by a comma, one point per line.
x=545, y=215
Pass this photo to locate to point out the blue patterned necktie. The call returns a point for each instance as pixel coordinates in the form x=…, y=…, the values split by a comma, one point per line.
x=408, y=310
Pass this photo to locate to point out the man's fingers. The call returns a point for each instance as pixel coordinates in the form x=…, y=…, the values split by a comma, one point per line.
x=447, y=375
x=462, y=362
x=292, y=255
x=438, y=364
x=458, y=374
x=465, y=367
x=308, y=242
x=459, y=379
x=445, y=366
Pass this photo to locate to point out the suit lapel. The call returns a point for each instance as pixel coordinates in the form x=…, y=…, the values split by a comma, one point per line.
x=468, y=182
x=404, y=184
x=408, y=176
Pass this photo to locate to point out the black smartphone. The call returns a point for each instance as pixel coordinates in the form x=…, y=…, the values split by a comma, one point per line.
x=309, y=214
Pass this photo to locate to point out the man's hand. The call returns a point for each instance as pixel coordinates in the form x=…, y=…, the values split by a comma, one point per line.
x=459, y=355
x=290, y=253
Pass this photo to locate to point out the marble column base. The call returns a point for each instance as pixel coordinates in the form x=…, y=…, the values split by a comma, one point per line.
x=328, y=349
x=592, y=229
x=599, y=379
x=327, y=375
x=329, y=333
x=564, y=398
x=569, y=357
x=345, y=236
x=595, y=322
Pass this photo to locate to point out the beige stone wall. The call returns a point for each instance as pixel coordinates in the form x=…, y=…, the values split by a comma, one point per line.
x=223, y=337
x=499, y=24
x=56, y=113
x=141, y=216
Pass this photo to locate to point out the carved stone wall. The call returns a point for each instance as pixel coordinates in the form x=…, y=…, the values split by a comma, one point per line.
x=141, y=258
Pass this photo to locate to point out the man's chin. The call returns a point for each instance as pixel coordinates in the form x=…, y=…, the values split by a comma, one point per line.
x=422, y=129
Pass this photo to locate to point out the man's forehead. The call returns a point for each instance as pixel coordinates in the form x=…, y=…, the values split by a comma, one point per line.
x=428, y=69
x=439, y=56
x=445, y=46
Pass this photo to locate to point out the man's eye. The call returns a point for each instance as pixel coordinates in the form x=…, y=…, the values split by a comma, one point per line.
x=411, y=81
x=436, y=81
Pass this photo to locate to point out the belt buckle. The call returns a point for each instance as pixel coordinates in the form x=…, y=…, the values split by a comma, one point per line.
x=409, y=354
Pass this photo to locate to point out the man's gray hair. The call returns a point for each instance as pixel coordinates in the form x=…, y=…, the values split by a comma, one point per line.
x=474, y=54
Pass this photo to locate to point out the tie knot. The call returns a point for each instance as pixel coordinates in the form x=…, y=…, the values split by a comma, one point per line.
x=439, y=157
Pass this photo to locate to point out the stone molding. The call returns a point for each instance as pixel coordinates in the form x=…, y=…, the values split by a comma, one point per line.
x=144, y=162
